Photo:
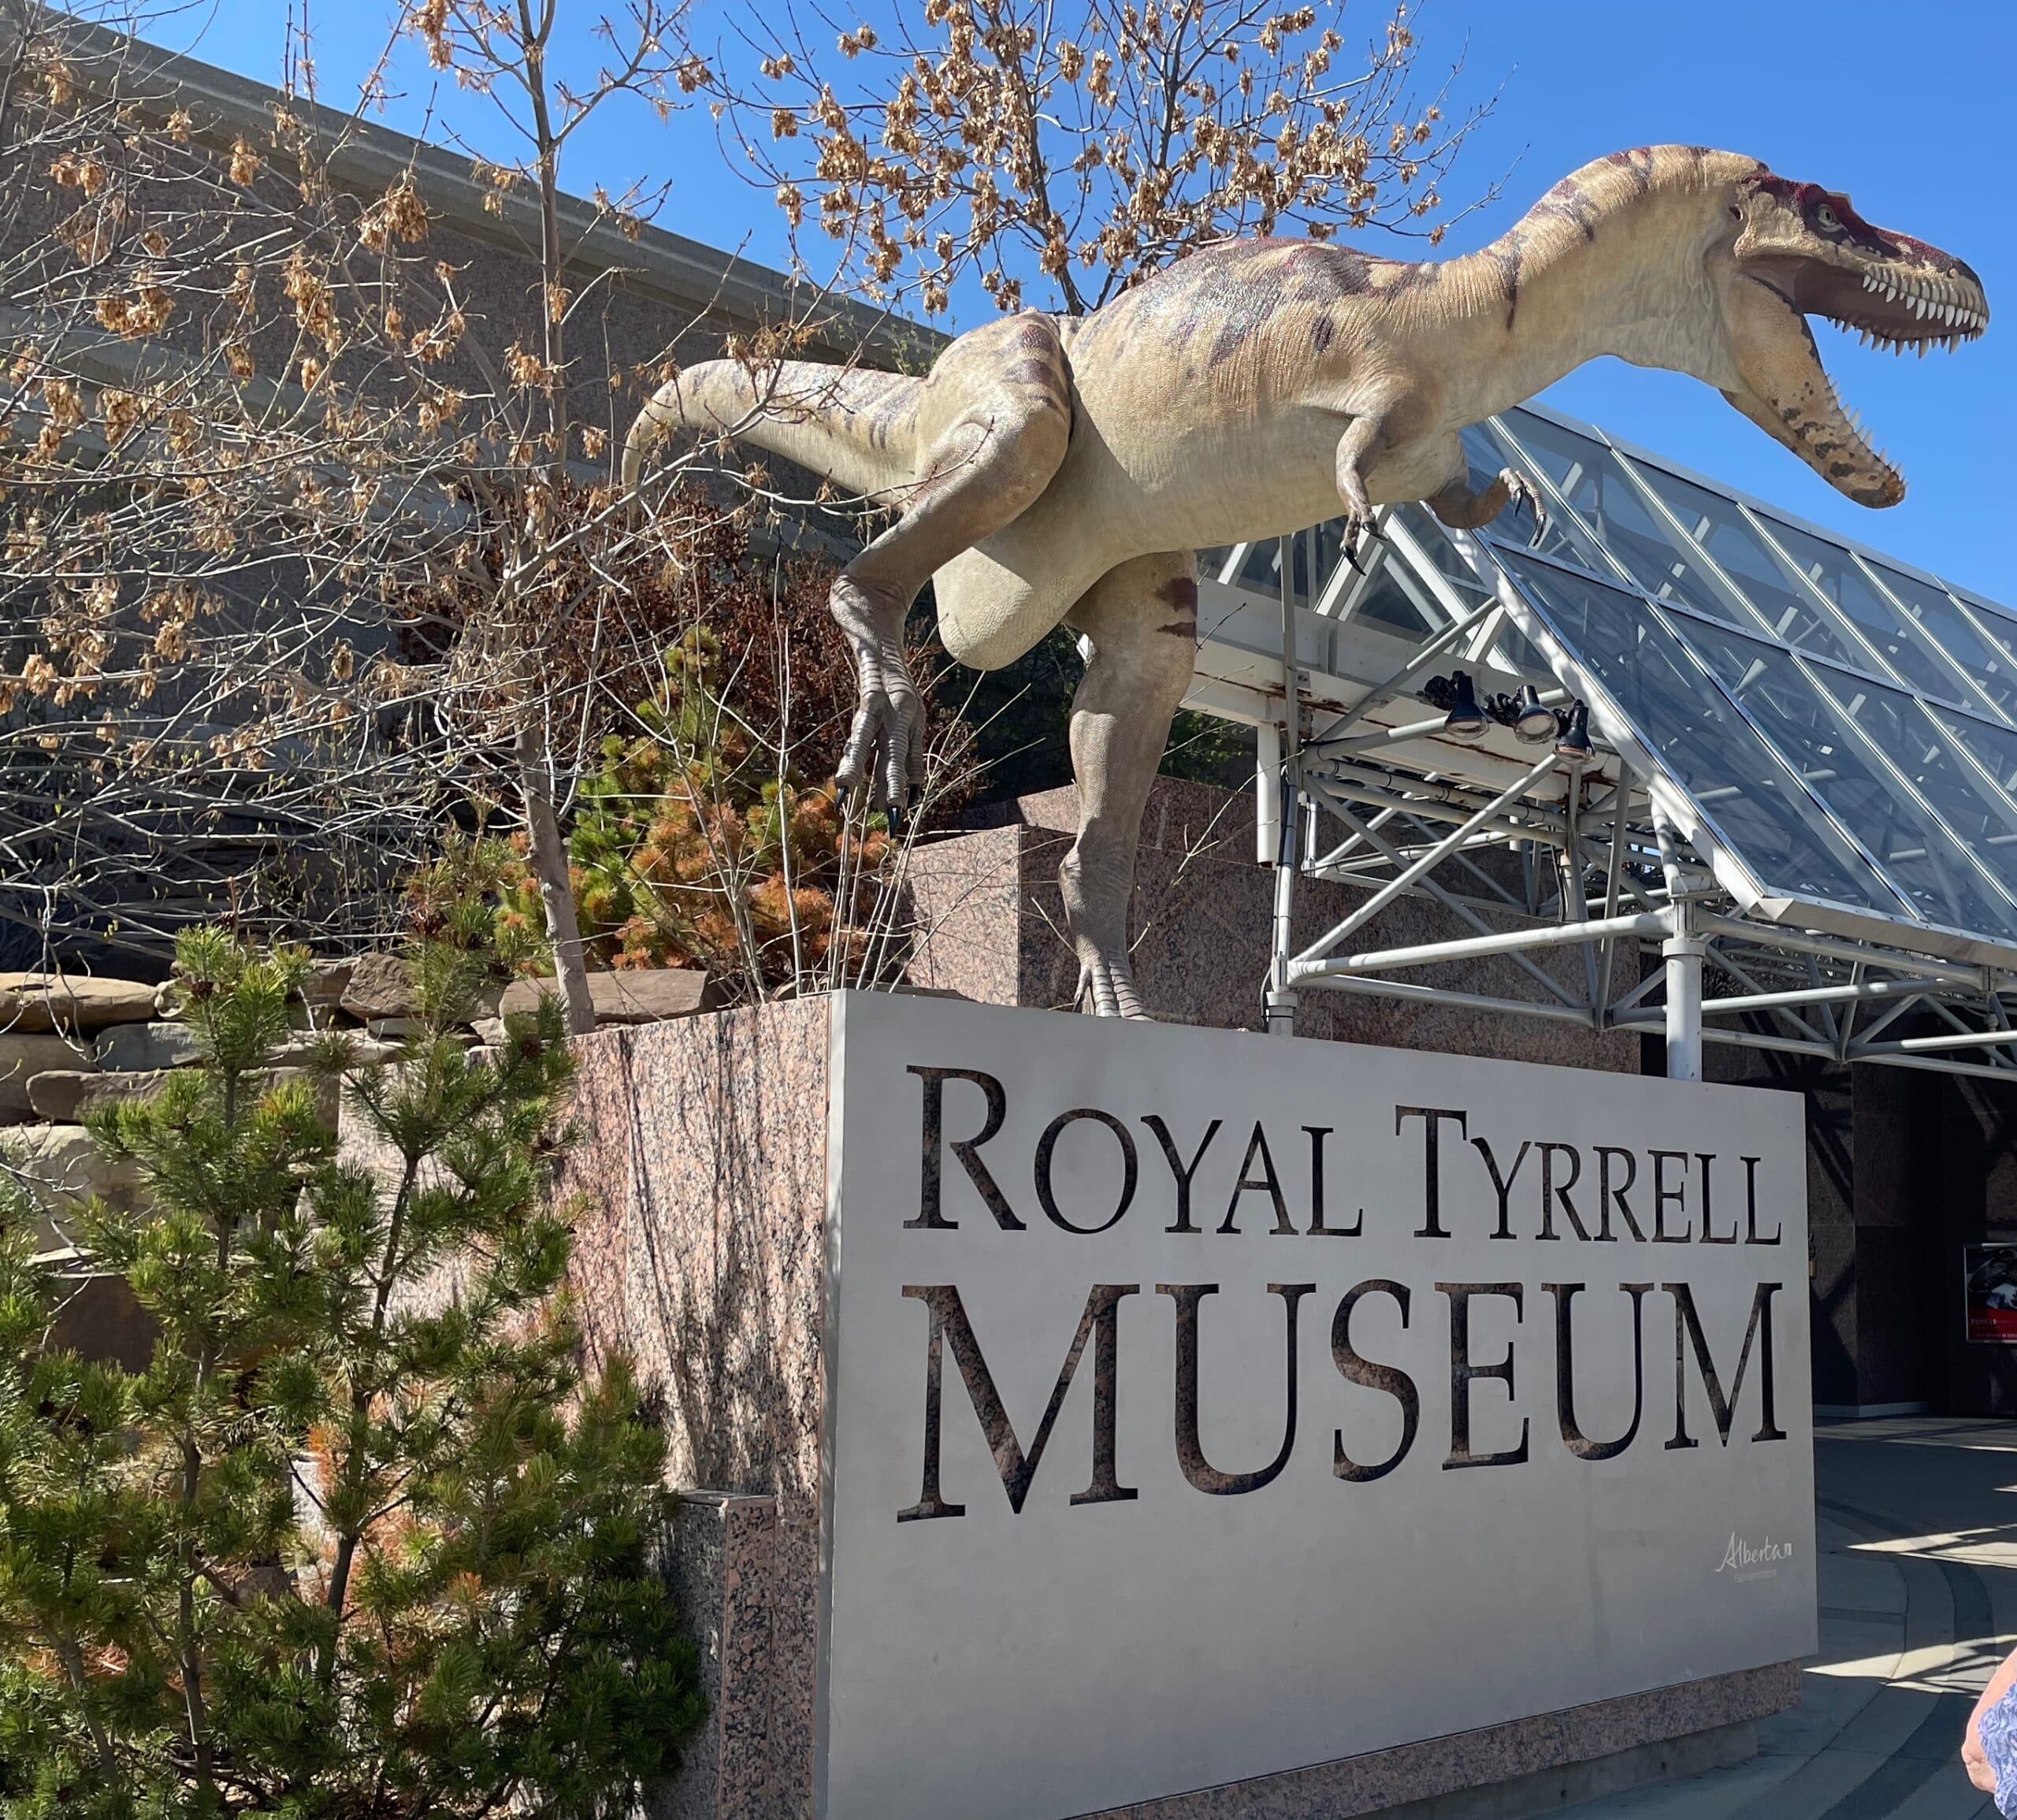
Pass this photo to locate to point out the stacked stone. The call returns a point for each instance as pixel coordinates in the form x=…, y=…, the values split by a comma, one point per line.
x=68, y=1041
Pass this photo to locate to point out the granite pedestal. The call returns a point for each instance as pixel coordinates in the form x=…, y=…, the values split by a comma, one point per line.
x=707, y=1248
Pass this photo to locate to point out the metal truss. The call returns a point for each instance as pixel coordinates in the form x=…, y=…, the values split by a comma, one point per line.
x=1534, y=853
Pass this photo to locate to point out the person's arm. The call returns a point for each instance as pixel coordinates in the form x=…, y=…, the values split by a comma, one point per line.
x=1973, y=1757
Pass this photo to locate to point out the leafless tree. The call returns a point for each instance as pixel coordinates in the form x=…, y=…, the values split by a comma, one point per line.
x=1055, y=152
x=304, y=539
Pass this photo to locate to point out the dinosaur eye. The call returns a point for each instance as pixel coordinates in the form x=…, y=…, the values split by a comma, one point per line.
x=1827, y=219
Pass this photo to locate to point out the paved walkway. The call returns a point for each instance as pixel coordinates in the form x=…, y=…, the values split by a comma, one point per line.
x=1917, y=1573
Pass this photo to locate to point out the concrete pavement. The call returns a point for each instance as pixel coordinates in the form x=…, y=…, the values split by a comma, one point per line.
x=1917, y=1573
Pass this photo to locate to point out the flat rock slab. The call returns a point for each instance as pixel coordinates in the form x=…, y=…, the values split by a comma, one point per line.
x=378, y=986
x=23, y=1058
x=65, y=1095
x=365, y=1049
x=137, y=1048
x=62, y=1095
x=34, y=1002
x=62, y=1164
x=327, y=983
x=635, y=995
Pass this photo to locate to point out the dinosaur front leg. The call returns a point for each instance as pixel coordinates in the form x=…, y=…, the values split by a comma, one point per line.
x=885, y=749
x=1140, y=622
x=1355, y=448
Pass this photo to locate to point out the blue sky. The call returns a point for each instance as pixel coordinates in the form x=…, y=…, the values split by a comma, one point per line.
x=1908, y=109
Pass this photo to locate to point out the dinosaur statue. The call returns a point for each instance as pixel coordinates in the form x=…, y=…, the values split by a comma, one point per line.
x=1063, y=470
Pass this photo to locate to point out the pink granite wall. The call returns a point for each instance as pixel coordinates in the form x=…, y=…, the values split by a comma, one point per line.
x=990, y=926
x=699, y=1187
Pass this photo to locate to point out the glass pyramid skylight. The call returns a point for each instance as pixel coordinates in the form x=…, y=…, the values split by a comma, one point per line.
x=1841, y=728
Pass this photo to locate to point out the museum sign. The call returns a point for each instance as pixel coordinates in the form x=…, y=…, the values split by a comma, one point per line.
x=1203, y=1405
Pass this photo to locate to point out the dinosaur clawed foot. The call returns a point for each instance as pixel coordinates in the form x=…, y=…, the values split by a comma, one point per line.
x=884, y=753
x=1520, y=491
x=1106, y=988
x=1358, y=524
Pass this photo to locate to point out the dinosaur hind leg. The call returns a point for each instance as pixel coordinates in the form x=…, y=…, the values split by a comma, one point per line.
x=993, y=423
x=1141, y=622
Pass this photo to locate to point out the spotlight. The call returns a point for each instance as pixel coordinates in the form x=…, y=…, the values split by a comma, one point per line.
x=1465, y=720
x=1571, y=744
x=1532, y=724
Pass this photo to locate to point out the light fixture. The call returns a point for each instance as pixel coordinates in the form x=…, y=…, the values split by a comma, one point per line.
x=1465, y=720
x=1532, y=724
x=1571, y=744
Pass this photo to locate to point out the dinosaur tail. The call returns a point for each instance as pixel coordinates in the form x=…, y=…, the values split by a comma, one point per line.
x=847, y=424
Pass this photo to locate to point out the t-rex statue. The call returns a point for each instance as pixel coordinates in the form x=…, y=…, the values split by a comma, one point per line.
x=1056, y=469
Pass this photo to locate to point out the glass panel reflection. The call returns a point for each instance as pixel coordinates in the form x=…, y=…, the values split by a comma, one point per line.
x=1722, y=530
x=1931, y=755
x=1561, y=537
x=1833, y=571
x=1921, y=854
x=1444, y=556
x=1260, y=573
x=1774, y=825
x=1392, y=597
x=1988, y=665
x=1587, y=475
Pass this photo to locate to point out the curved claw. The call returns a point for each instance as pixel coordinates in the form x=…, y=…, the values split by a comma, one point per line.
x=1520, y=491
x=1109, y=984
x=885, y=750
x=1356, y=528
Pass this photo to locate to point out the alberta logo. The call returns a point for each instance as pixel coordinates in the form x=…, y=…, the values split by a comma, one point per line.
x=1746, y=1561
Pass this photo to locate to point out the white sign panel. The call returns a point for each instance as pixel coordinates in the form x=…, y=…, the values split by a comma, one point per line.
x=1203, y=1405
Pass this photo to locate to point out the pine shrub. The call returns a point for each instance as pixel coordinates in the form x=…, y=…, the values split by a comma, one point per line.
x=363, y=1541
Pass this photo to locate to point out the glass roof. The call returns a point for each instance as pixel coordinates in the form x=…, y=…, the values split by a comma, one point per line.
x=1846, y=728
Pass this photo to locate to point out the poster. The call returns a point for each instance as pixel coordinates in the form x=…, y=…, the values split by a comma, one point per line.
x=1990, y=1293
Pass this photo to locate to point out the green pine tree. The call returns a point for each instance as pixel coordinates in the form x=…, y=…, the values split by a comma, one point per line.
x=363, y=1540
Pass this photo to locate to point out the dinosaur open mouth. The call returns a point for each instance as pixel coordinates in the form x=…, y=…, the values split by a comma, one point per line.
x=1885, y=304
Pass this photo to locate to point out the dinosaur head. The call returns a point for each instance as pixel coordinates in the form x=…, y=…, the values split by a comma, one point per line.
x=1788, y=251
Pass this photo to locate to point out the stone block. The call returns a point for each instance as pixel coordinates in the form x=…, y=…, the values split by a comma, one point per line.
x=326, y=983
x=989, y=922
x=635, y=995
x=62, y=1095
x=71, y=1001
x=23, y=1058
x=140, y=1048
x=365, y=1050
x=391, y=1033
x=707, y=1244
x=61, y=1165
x=377, y=986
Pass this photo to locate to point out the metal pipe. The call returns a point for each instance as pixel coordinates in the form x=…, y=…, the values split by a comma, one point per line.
x=1942, y=1067
x=1915, y=1045
x=1426, y=808
x=1267, y=793
x=1810, y=995
x=1385, y=736
x=1614, y=873
x=1797, y=941
x=1399, y=680
x=1388, y=892
x=1511, y=941
x=1281, y=994
x=1469, y=1000
x=1683, y=951
x=1370, y=831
